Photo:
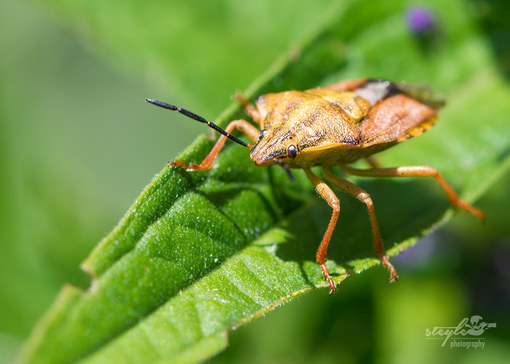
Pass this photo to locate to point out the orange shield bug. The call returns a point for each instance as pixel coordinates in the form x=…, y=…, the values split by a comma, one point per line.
x=334, y=126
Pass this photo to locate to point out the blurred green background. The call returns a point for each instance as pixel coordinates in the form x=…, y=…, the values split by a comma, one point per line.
x=78, y=143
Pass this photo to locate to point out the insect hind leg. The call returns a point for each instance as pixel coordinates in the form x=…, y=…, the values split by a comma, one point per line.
x=418, y=171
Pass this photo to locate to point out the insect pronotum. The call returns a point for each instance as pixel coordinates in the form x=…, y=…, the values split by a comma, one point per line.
x=330, y=126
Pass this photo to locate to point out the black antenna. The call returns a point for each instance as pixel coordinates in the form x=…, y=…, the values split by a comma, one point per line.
x=197, y=118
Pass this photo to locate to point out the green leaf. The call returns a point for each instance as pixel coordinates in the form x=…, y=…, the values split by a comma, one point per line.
x=199, y=254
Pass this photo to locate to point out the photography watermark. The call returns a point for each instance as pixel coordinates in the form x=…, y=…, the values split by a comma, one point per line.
x=466, y=335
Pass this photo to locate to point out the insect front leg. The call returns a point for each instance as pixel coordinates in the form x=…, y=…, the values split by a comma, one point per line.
x=249, y=109
x=364, y=197
x=419, y=171
x=327, y=194
x=242, y=125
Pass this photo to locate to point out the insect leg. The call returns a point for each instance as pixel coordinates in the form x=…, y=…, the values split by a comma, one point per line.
x=373, y=162
x=327, y=194
x=244, y=126
x=418, y=171
x=364, y=197
x=250, y=110
x=346, y=85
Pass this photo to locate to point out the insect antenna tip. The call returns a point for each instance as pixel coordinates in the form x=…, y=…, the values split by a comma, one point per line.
x=161, y=104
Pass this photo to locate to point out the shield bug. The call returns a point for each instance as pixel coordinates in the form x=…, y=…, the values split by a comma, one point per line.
x=335, y=125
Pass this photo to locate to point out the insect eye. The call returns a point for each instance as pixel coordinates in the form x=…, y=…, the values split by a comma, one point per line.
x=292, y=151
x=262, y=134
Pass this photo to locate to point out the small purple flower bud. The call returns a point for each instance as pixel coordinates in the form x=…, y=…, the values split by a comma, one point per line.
x=420, y=20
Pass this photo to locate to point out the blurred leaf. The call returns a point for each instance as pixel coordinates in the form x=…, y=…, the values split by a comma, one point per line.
x=201, y=253
x=198, y=50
